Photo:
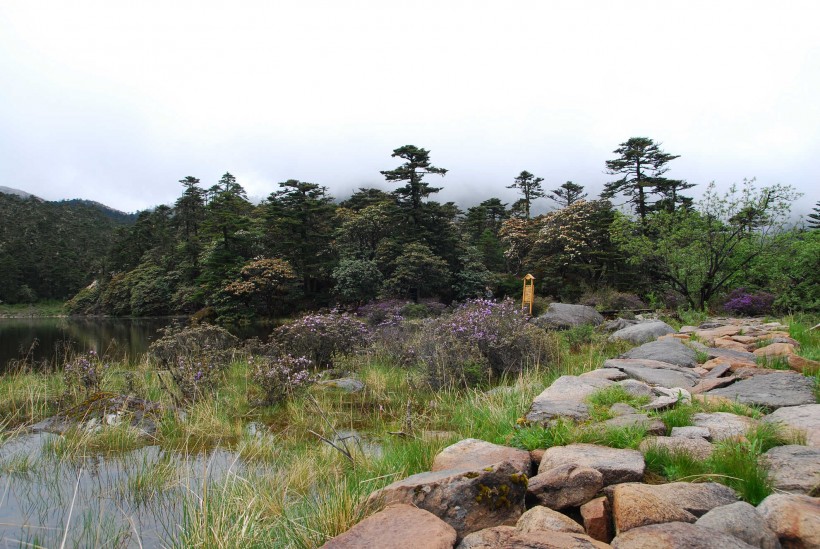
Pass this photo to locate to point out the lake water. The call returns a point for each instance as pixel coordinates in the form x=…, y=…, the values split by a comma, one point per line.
x=47, y=340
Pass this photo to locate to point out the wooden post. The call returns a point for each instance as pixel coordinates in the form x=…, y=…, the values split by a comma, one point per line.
x=529, y=293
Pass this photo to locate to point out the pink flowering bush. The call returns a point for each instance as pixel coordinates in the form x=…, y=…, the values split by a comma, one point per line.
x=281, y=377
x=481, y=339
x=196, y=357
x=744, y=302
x=85, y=372
x=321, y=337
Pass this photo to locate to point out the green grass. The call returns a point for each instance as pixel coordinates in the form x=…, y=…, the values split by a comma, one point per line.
x=27, y=310
x=602, y=400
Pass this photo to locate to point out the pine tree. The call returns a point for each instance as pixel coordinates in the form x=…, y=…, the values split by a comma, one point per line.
x=567, y=194
x=413, y=171
x=814, y=218
x=530, y=188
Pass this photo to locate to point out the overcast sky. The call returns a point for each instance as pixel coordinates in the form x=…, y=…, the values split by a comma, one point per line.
x=116, y=101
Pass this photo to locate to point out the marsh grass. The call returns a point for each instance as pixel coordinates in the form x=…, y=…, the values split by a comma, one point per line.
x=81, y=442
x=602, y=400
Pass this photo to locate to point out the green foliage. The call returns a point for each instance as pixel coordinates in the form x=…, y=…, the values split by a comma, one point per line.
x=530, y=188
x=578, y=336
x=264, y=286
x=417, y=272
x=567, y=194
x=357, y=280
x=321, y=337
x=417, y=165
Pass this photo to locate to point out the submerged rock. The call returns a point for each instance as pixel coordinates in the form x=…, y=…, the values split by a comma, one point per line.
x=105, y=409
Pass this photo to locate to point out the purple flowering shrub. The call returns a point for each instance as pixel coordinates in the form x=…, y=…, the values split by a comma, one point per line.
x=321, y=337
x=485, y=337
x=85, y=372
x=281, y=377
x=196, y=357
x=744, y=302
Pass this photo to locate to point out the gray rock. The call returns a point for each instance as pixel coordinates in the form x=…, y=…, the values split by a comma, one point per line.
x=654, y=372
x=718, y=371
x=642, y=332
x=565, y=398
x=723, y=425
x=606, y=373
x=654, y=426
x=399, y=527
x=636, y=388
x=794, y=518
x=616, y=465
x=466, y=500
x=619, y=324
x=698, y=448
x=690, y=432
x=563, y=316
x=695, y=497
x=544, y=518
x=346, y=384
x=507, y=537
x=800, y=420
x=621, y=409
x=671, y=351
x=472, y=454
x=774, y=390
x=742, y=521
x=714, y=352
x=677, y=535
x=795, y=469
x=565, y=486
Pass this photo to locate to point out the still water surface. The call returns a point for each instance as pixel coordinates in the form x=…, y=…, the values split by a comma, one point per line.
x=48, y=340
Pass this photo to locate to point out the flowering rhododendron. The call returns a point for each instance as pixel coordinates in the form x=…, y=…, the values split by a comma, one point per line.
x=281, y=377
x=321, y=337
x=85, y=372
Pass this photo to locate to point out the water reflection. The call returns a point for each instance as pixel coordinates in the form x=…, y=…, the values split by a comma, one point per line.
x=47, y=341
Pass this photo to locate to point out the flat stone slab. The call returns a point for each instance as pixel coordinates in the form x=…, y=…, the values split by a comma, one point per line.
x=773, y=390
x=472, y=454
x=565, y=398
x=795, y=469
x=713, y=352
x=611, y=374
x=654, y=426
x=723, y=425
x=398, y=526
x=671, y=351
x=803, y=420
x=698, y=448
x=654, y=372
x=507, y=537
x=690, y=432
x=616, y=465
x=642, y=332
x=677, y=535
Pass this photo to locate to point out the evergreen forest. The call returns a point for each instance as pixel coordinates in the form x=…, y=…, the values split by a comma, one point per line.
x=213, y=253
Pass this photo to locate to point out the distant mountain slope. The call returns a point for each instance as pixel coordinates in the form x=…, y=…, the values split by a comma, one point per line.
x=116, y=215
x=49, y=250
x=18, y=192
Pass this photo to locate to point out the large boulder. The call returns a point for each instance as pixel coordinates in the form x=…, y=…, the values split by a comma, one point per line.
x=616, y=465
x=467, y=500
x=642, y=332
x=566, y=397
x=399, y=527
x=544, y=518
x=635, y=505
x=565, y=486
x=597, y=517
x=507, y=537
x=475, y=454
x=742, y=521
x=677, y=535
x=799, y=420
x=773, y=390
x=795, y=469
x=563, y=316
x=794, y=518
x=670, y=351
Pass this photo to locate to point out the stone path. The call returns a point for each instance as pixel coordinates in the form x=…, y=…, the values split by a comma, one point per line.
x=481, y=495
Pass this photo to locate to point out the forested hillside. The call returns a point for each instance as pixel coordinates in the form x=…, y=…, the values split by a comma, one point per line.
x=50, y=250
x=215, y=252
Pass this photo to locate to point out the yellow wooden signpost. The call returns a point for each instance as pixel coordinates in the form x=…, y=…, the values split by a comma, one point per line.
x=529, y=293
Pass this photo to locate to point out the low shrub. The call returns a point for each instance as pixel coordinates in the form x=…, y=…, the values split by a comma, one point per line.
x=580, y=335
x=321, y=337
x=281, y=377
x=744, y=302
x=85, y=372
x=196, y=357
x=608, y=299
